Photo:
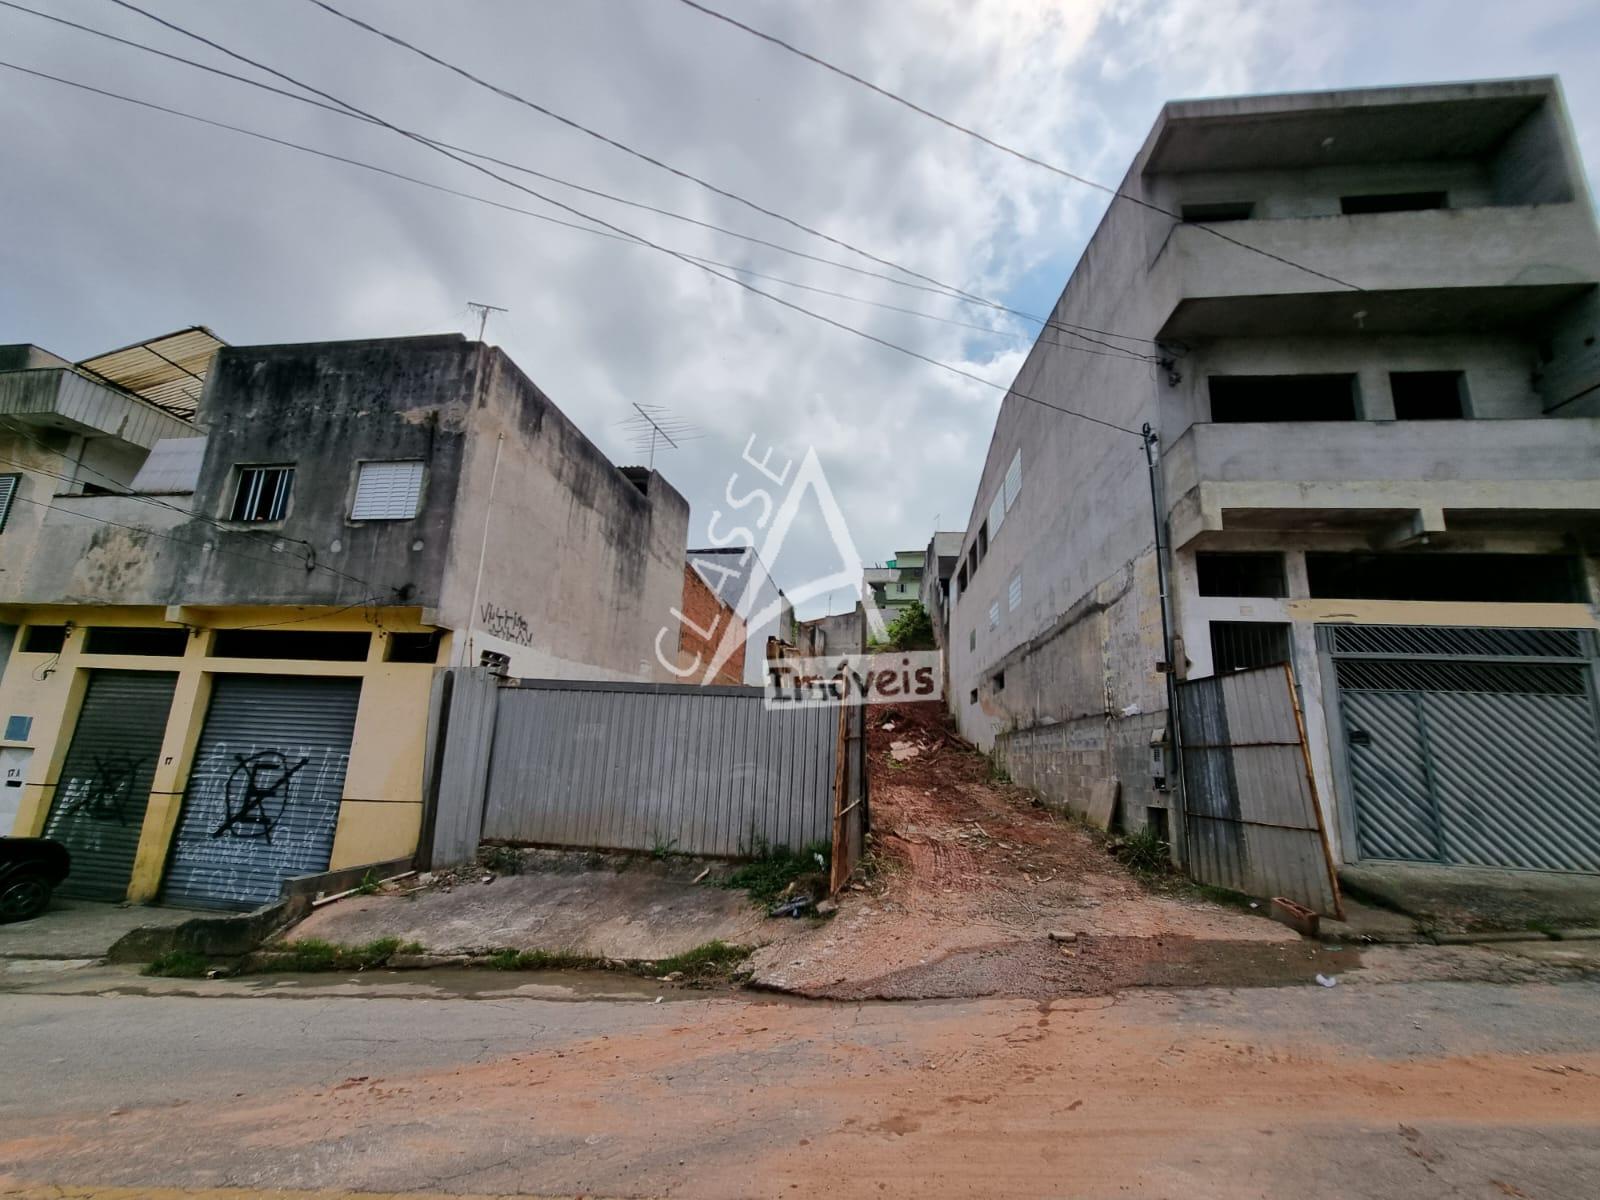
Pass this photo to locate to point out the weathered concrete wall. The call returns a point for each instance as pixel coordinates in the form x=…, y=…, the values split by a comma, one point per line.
x=706, y=621
x=838, y=633
x=1077, y=654
x=583, y=568
x=327, y=408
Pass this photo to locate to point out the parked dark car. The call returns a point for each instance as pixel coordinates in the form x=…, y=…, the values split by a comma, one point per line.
x=30, y=868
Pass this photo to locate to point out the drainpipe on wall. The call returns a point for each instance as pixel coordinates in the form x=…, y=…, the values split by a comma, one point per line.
x=483, y=547
x=1176, y=823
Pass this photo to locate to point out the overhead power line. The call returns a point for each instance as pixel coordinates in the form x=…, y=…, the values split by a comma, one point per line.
x=861, y=333
x=543, y=110
x=1119, y=352
x=1114, y=193
x=944, y=290
x=308, y=560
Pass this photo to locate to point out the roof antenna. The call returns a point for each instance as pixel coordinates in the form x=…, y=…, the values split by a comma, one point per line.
x=483, y=310
x=652, y=425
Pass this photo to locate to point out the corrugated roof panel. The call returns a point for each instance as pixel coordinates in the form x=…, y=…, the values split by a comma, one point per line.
x=172, y=468
x=168, y=371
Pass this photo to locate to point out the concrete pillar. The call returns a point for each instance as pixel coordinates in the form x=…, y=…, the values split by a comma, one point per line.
x=189, y=700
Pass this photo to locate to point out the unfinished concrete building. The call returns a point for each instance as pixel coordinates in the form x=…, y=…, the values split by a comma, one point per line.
x=1362, y=326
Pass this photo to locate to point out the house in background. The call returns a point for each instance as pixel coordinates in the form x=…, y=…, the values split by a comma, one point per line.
x=837, y=633
x=940, y=561
x=736, y=575
x=704, y=620
x=1379, y=462
x=231, y=603
x=895, y=585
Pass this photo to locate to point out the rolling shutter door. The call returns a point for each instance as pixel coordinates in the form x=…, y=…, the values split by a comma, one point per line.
x=263, y=797
x=104, y=786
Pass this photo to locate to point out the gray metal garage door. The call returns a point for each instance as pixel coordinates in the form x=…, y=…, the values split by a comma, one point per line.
x=263, y=797
x=1476, y=747
x=104, y=786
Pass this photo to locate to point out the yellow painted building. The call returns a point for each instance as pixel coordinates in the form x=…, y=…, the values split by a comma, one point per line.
x=380, y=807
x=230, y=575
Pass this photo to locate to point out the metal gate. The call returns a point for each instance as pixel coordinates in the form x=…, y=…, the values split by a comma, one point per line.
x=104, y=787
x=263, y=796
x=1476, y=747
x=1251, y=818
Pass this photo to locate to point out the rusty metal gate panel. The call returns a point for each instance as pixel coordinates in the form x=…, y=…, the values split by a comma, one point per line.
x=691, y=770
x=1252, y=821
x=100, y=799
x=264, y=792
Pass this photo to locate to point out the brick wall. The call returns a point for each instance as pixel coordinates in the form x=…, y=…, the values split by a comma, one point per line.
x=706, y=621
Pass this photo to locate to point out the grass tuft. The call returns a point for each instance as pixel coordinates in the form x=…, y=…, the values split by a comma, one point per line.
x=1143, y=852
x=510, y=959
x=314, y=954
x=769, y=874
x=178, y=964
x=714, y=960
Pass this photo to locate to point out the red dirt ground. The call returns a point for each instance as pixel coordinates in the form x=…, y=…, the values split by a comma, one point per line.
x=966, y=878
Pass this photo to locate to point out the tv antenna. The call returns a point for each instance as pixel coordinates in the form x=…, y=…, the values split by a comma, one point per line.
x=483, y=310
x=653, y=426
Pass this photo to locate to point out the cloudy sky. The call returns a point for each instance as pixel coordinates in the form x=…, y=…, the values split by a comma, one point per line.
x=117, y=223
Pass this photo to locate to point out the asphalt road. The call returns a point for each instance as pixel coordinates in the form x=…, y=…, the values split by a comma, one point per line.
x=1402, y=1089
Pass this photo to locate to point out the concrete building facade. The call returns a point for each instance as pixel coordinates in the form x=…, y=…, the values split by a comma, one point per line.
x=270, y=580
x=940, y=561
x=1362, y=327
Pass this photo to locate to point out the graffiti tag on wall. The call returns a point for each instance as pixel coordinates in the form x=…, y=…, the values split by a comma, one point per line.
x=256, y=794
x=504, y=623
x=104, y=795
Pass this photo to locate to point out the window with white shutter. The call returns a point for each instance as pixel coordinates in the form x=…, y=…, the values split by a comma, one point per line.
x=994, y=615
x=1015, y=597
x=387, y=491
x=8, y=492
x=1013, y=483
x=997, y=513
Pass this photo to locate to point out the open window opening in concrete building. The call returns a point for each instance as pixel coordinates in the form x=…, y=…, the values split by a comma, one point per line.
x=8, y=493
x=44, y=639
x=414, y=647
x=1240, y=573
x=1485, y=578
x=136, y=639
x=1243, y=645
x=1385, y=202
x=1271, y=398
x=1428, y=395
x=262, y=494
x=318, y=645
x=1227, y=210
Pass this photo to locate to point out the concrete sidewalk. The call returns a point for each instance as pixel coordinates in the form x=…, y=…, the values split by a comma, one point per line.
x=1463, y=900
x=645, y=911
x=83, y=928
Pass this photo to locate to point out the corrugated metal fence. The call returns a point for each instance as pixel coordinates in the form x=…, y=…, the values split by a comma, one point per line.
x=1252, y=820
x=652, y=767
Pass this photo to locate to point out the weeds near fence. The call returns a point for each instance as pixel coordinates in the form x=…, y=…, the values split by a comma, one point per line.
x=314, y=954
x=774, y=869
x=1142, y=852
x=712, y=962
x=177, y=964
x=543, y=960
